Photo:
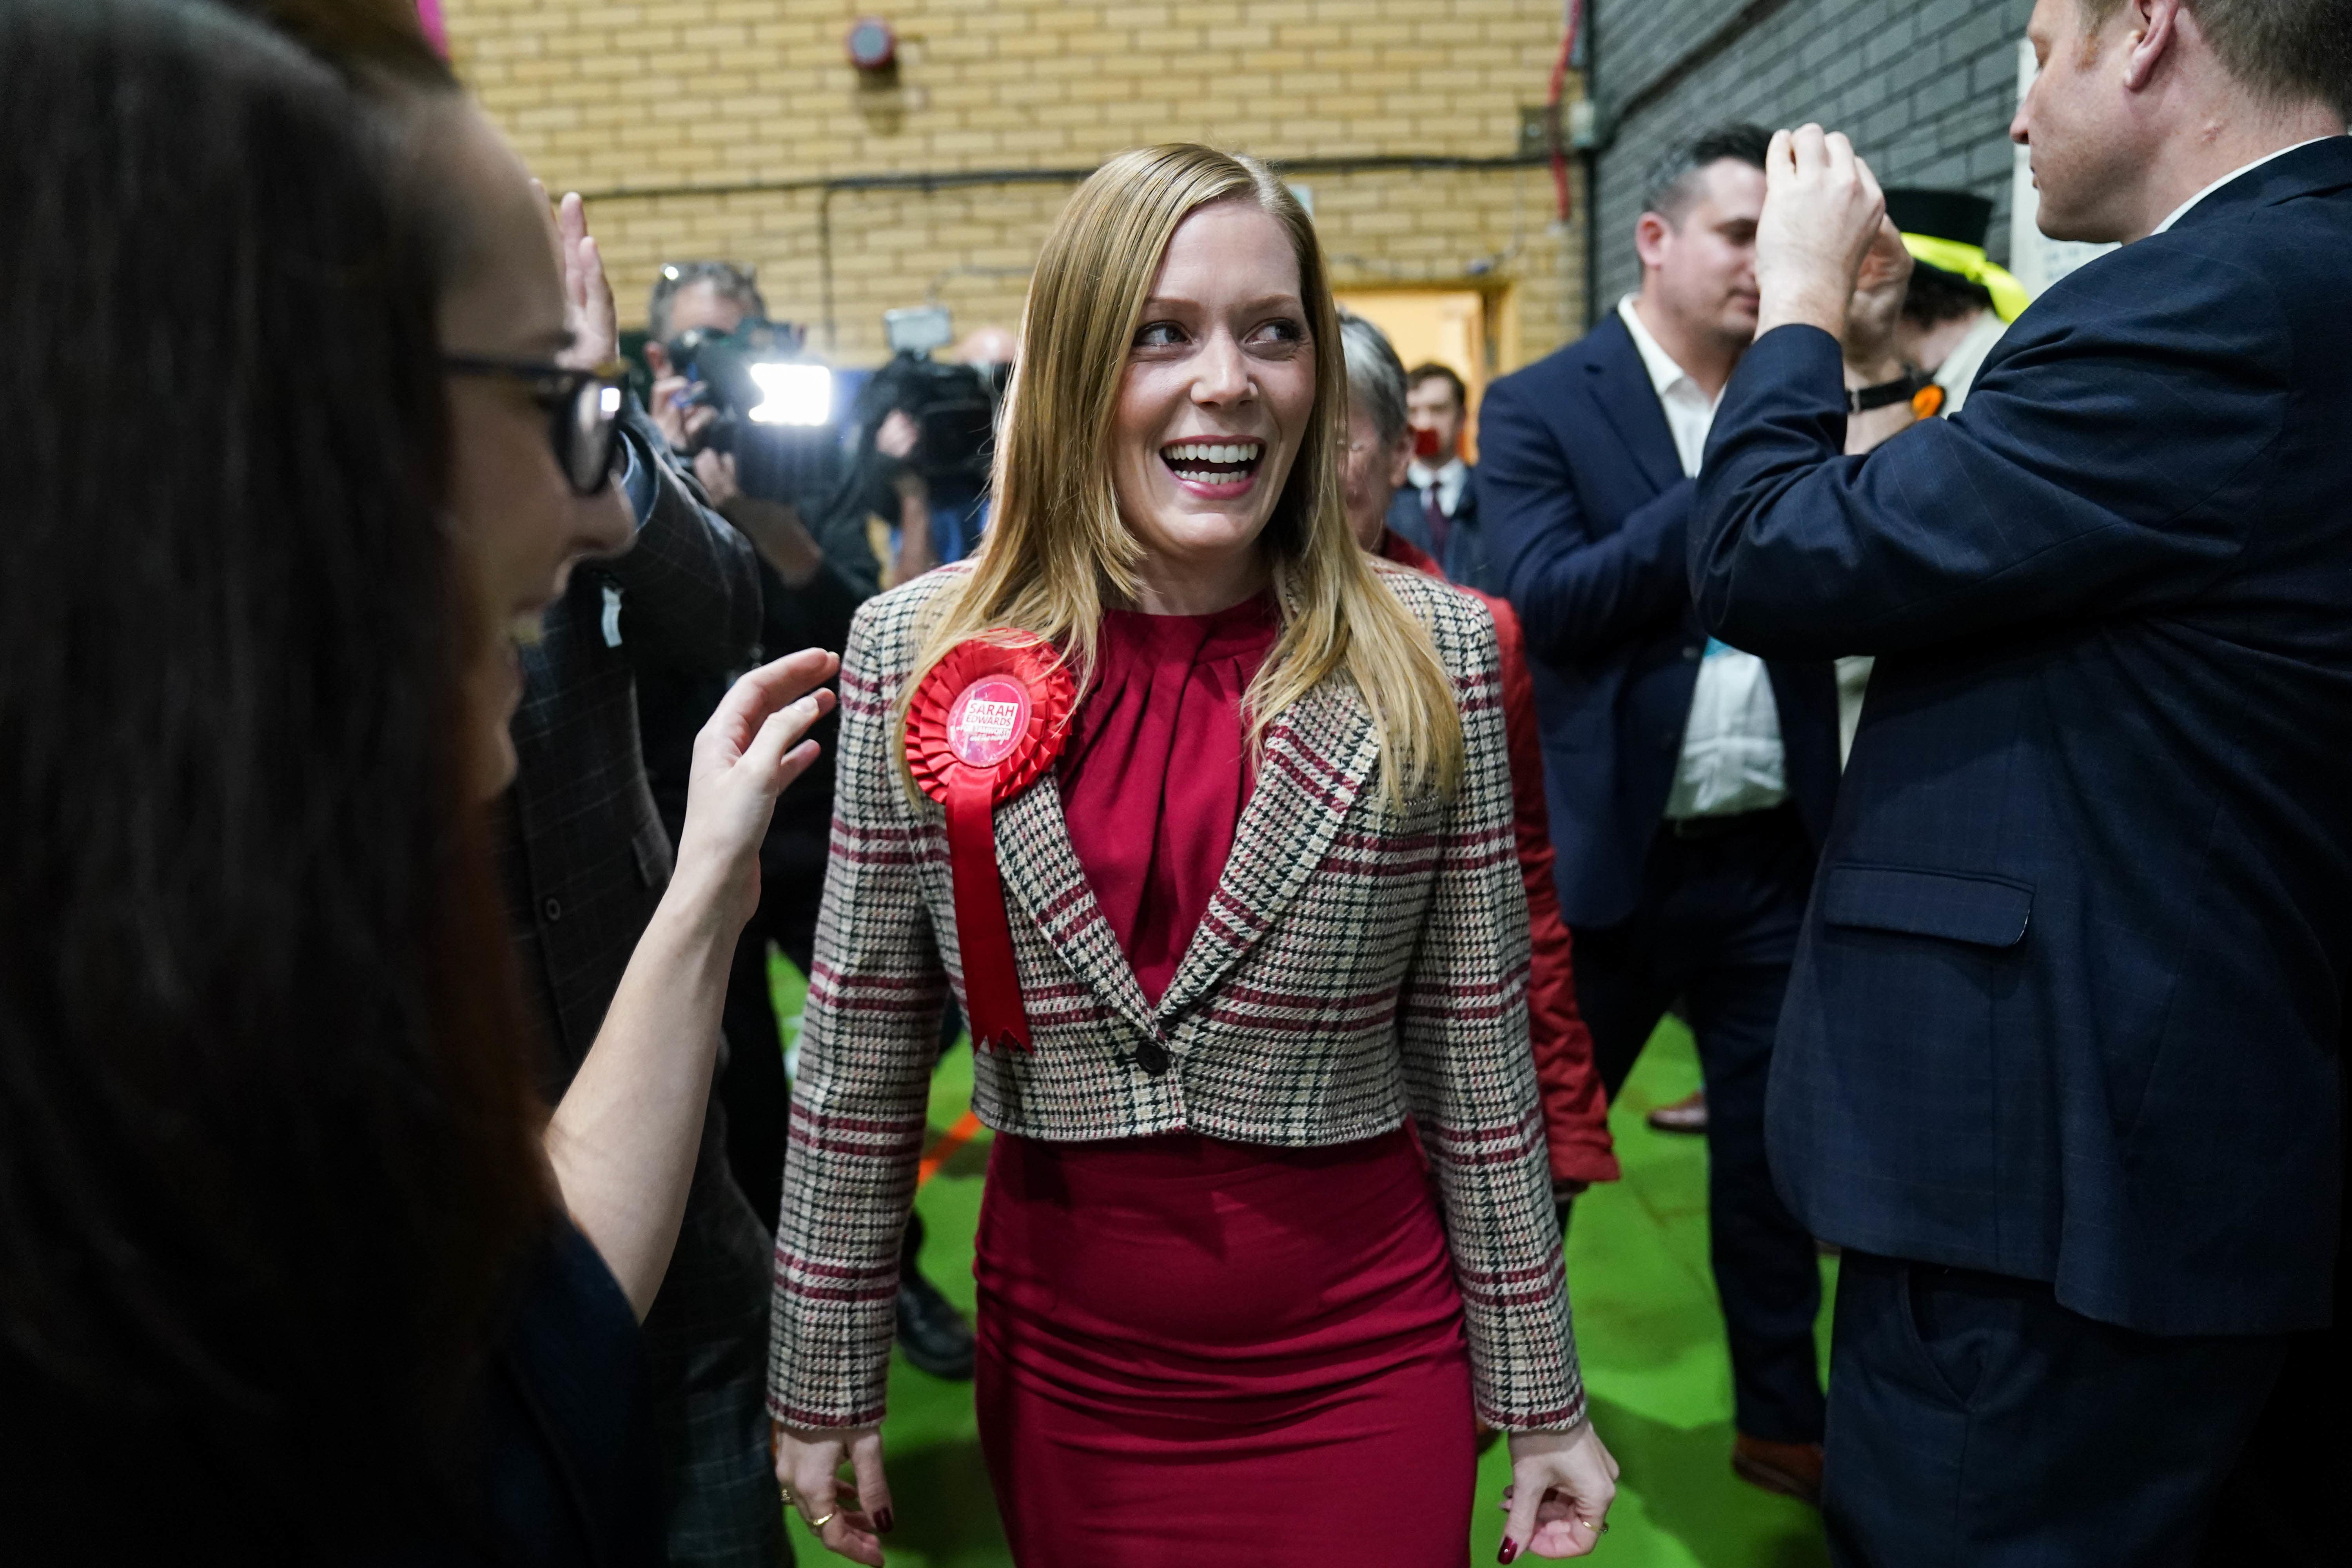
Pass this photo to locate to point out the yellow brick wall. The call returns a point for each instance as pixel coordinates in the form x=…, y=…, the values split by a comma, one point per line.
x=629, y=101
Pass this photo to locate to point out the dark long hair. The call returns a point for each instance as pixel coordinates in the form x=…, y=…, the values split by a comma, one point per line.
x=269, y=1151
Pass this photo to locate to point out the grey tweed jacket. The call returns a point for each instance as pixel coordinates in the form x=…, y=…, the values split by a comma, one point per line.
x=1358, y=964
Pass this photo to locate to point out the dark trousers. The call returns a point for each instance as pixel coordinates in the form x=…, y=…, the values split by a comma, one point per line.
x=2283, y=1505
x=1976, y=1423
x=1717, y=927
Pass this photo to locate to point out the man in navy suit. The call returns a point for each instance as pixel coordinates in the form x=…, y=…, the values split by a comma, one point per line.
x=1436, y=509
x=1689, y=782
x=2062, y=1064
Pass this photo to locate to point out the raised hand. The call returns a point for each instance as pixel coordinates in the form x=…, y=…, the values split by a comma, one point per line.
x=1875, y=307
x=1824, y=212
x=588, y=306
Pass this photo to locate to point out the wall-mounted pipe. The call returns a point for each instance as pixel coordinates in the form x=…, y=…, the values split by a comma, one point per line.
x=827, y=186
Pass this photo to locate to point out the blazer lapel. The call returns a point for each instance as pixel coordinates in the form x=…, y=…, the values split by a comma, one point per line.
x=1620, y=382
x=1041, y=874
x=1319, y=759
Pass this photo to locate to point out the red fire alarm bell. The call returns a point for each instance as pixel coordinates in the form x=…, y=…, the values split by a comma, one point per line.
x=873, y=46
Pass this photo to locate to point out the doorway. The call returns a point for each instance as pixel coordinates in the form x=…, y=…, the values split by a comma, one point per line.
x=1455, y=327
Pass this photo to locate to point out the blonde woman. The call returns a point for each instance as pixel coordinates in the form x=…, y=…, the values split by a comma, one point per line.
x=1206, y=816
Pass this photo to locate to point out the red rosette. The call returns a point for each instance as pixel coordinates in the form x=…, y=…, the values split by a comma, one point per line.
x=984, y=725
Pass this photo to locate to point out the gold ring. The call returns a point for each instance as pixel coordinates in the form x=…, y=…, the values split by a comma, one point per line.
x=828, y=1518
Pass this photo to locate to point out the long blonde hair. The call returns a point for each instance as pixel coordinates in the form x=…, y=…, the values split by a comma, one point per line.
x=1056, y=550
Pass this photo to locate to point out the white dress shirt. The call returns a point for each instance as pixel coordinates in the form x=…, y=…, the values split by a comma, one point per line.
x=1958, y=373
x=1732, y=757
x=1448, y=479
x=2182, y=210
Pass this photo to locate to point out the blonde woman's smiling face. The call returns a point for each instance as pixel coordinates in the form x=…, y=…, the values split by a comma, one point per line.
x=1213, y=406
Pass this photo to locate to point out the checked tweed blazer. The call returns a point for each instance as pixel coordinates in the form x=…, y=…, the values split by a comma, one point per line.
x=1358, y=964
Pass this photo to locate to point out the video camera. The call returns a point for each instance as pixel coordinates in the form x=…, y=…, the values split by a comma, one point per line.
x=953, y=406
x=757, y=374
x=774, y=405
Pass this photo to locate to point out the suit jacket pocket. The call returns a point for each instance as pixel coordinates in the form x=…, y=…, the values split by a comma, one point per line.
x=1988, y=911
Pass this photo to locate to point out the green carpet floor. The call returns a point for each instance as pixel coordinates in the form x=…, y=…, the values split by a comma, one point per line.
x=1646, y=1325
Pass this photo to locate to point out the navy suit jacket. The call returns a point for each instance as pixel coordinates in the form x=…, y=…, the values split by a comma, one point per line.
x=1467, y=559
x=1586, y=509
x=2070, y=1001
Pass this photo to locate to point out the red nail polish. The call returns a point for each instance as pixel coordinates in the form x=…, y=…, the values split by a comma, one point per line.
x=884, y=1522
x=1510, y=1550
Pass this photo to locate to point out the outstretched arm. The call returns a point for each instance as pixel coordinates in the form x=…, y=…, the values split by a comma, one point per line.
x=624, y=1139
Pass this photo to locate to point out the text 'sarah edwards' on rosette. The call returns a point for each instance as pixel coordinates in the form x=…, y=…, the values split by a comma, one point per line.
x=984, y=725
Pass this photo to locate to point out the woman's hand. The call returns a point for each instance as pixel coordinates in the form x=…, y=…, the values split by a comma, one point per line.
x=1561, y=1486
x=751, y=750
x=623, y=1137
x=588, y=306
x=808, y=1467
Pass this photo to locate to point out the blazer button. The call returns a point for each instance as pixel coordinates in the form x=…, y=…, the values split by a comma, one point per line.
x=1693, y=651
x=1153, y=1058
x=553, y=909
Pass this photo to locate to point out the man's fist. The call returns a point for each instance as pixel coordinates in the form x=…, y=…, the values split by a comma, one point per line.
x=717, y=471
x=670, y=409
x=1823, y=213
x=1876, y=306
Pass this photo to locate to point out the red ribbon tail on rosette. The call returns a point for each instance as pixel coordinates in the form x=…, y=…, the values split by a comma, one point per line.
x=984, y=725
x=991, y=986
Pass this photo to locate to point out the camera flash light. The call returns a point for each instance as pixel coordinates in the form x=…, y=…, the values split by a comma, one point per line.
x=793, y=394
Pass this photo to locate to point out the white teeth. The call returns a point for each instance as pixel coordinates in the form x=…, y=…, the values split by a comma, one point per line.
x=1219, y=453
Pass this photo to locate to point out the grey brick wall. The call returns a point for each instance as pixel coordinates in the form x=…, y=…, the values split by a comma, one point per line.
x=1925, y=89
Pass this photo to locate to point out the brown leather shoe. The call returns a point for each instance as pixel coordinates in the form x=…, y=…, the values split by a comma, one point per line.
x=1792, y=1469
x=1687, y=1114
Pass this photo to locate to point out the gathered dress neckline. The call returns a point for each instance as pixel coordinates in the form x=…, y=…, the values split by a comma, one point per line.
x=1157, y=769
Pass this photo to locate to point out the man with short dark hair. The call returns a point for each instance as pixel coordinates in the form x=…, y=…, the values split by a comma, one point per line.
x=688, y=294
x=1689, y=782
x=1436, y=509
x=2062, y=1062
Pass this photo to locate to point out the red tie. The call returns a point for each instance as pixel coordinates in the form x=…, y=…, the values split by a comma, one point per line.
x=1433, y=514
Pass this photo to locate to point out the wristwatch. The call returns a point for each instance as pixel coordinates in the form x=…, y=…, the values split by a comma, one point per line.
x=1918, y=389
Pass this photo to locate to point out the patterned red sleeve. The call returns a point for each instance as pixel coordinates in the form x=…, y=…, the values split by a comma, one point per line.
x=1470, y=1077
x=869, y=1036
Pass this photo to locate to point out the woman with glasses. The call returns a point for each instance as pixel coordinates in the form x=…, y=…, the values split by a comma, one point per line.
x=298, y=1268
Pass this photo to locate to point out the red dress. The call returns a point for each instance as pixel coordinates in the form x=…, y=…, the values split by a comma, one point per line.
x=1193, y=1351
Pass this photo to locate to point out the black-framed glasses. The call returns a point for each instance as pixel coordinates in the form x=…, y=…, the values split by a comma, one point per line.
x=584, y=408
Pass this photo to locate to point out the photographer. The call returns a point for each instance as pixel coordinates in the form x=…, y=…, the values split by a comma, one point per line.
x=917, y=484
x=694, y=304
x=812, y=582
